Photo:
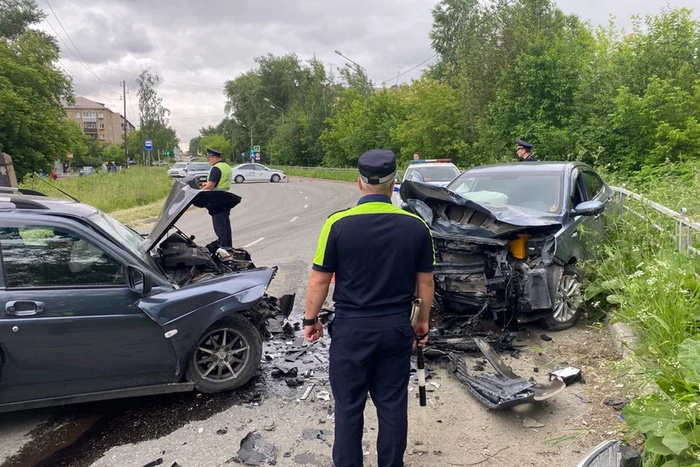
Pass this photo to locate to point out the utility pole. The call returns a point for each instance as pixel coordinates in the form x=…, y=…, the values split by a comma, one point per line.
x=126, y=154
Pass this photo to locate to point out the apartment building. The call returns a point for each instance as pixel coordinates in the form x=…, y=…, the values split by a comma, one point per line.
x=97, y=121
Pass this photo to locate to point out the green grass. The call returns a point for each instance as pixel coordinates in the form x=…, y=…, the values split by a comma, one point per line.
x=642, y=280
x=346, y=175
x=137, y=186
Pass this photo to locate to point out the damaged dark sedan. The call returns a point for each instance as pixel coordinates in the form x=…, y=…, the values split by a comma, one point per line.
x=92, y=310
x=509, y=238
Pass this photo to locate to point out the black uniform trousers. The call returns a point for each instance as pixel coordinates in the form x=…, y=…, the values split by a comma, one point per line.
x=222, y=227
x=370, y=354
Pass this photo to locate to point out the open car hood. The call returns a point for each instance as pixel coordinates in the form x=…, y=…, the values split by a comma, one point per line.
x=463, y=216
x=181, y=196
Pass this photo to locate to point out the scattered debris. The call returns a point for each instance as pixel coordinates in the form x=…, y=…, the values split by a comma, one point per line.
x=569, y=375
x=615, y=402
x=269, y=426
x=305, y=458
x=312, y=433
x=255, y=398
x=325, y=395
x=307, y=392
x=505, y=389
x=256, y=451
x=200, y=430
x=158, y=461
x=545, y=338
x=612, y=454
x=222, y=431
x=532, y=423
x=280, y=369
x=293, y=382
x=435, y=384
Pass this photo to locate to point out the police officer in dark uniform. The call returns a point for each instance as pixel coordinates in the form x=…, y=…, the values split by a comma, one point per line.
x=382, y=258
x=219, y=178
x=524, y=151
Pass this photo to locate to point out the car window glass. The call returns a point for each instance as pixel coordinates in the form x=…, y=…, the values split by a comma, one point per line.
x=246, y=167
x=579, y=191
x=445, y=173
x=40, y=256
x=593, y=183
x=260, y=167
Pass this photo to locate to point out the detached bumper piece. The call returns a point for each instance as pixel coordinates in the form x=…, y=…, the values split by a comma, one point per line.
x=503, y=389
x=612, y=454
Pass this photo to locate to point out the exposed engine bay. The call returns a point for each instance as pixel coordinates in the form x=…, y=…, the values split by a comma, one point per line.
x=184, y=261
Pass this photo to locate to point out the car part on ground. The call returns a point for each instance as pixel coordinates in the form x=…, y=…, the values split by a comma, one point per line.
x=612, y=454
x=508, y=259
x=503, y=389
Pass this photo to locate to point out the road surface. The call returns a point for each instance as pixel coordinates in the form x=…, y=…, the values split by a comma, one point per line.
x=279, y=225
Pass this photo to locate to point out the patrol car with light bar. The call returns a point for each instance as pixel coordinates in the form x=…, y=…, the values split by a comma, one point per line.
x=436, y=172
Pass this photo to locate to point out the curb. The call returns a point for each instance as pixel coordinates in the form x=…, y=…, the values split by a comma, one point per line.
x=624, y=337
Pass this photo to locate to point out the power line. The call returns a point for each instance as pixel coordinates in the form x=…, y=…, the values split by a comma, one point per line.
x=410, y=69
x=89, y=88
x=161, y=80
x=76, y=48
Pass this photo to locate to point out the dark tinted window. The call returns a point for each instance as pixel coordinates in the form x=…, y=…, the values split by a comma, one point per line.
x=593, y=183
x=246, y=167
x=40, y=256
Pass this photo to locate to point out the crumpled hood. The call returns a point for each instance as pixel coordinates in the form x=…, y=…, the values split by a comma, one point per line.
x=181, y=196
x=447, y=212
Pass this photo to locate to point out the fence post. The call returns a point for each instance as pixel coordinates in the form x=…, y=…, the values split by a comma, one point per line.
x=622, y=199
x=683, y=232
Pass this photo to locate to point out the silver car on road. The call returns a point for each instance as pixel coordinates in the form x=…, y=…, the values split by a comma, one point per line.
x=256, y=172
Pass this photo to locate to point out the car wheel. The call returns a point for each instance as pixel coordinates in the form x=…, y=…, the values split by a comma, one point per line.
x=239, y=179
x=275, y=178
x=568, y=301
x=226, y=357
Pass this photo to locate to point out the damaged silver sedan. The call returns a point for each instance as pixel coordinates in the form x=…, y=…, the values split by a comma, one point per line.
x=508, y=239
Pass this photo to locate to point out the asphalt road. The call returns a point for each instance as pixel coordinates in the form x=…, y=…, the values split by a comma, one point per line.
x=278, y=223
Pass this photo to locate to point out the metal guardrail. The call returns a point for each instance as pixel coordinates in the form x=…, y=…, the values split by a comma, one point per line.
x=685, y=228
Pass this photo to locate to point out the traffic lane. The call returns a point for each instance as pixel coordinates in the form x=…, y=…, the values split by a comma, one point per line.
x=279, y=224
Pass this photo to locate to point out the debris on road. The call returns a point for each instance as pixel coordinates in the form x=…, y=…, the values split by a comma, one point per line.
x=307, y=392
x=532, y=423
x=545, y=338
x=281, y=369
x=158, y=461
x=255, y=451
x=505, y=389
x=312, y=433
x=612, y=454
x=324, y=395
x=615, y=402
x=569, y=375
x=269, y=426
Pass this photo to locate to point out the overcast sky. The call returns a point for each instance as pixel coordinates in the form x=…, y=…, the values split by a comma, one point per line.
x=195, y=46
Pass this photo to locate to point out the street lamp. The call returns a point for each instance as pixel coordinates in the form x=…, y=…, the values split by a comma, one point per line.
x=353, y=61
x=251, y=131
x=273, y=106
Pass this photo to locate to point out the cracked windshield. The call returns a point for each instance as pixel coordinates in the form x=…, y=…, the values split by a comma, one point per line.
x=351, y=233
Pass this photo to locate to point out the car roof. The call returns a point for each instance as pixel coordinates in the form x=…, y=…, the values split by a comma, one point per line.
x=545, y=166
x=430, y=164
x=44, y=205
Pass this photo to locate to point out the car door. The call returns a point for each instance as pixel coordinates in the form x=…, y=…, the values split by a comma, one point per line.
x=248, y=171
x=578, y=233
x=259, y=172
x=69, y=323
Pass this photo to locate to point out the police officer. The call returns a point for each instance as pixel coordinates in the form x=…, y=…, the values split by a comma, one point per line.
x=219, y=178
x=382, y=258
x=524, y=151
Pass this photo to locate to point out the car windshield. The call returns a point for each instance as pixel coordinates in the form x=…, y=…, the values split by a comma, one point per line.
x=200, y=166
x=179, y=165
x=131, y=239
x=445, y=173
x=540, y=191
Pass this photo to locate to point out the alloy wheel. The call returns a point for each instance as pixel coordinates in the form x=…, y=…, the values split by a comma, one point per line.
x=221, y=355
x=569, y=298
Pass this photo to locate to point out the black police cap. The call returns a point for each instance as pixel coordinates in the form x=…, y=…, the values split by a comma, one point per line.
x=524, y=144
x=213, y=152
x=377, y=166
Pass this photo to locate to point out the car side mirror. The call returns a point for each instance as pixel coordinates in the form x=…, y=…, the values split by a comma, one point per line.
x=588, y=208
x=139, y=281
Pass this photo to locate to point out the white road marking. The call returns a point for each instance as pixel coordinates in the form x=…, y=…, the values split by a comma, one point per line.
x=295, y=218
x=254, y=242
x=306, y=206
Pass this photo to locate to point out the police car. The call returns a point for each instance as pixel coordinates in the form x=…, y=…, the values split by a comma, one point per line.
x=436, y=172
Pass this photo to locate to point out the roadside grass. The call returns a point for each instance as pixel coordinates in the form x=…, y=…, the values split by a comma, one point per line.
x=342, y=174
x=642, y=280
x=137, y=186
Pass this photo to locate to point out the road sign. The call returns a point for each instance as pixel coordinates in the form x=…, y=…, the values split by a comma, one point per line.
x=149, y=145
x=256, y=148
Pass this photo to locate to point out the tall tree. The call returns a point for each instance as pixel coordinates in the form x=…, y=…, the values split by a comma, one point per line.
x=33, y=127
x=153, y=115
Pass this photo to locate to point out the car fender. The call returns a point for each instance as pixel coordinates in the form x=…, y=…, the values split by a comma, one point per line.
x=185, y=313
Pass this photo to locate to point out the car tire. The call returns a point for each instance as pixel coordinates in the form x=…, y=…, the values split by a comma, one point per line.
x=568, y=301
x=275, y=178
x=239, y=179
x=227, y=355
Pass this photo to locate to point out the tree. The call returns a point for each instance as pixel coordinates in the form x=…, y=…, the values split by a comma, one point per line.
x=33, y=127
x=153, y=116
x=217, y=142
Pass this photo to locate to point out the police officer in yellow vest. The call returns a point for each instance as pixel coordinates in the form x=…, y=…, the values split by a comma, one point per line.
x=219, y=178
